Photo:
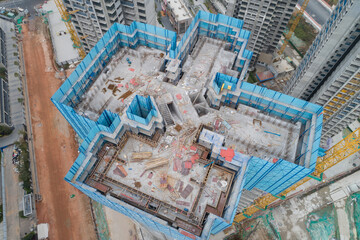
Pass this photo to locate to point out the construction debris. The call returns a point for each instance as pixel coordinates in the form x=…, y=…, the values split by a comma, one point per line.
x=155, y=163
x=187, y=191
x=141, y=155
x=119, y=170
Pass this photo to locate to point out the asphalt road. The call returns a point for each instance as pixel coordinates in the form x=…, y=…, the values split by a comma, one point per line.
x=25, y=4
x=165, y=20
x=317, y=11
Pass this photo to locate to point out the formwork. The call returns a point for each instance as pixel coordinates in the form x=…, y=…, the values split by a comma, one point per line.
x=146, y=116
x=275, y=175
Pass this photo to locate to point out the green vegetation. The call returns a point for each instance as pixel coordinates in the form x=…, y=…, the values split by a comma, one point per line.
x=304, y=31
x=209, y=6
x=159, y=18
x=5, y=130
x=332, y=2
x=1, y=213
x=16, y=54
x=66, y=66
x=24, y=163
x=20, y=100
x=252, y=78
x=29, y=236
x=21, y=214
x=16, y=63
x=2, y=72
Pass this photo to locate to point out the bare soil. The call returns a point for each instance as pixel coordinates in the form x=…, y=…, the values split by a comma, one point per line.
x=54, y=142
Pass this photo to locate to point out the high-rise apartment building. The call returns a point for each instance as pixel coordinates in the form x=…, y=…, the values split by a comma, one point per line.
x=92, y=18
x=266, y=19
x=329, y=74
x=4, y=84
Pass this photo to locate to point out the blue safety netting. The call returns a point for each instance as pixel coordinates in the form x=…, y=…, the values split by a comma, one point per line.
x=141, y=110
x=273, y=177
x=214, y=26
x=223, y=81
x=69, y=95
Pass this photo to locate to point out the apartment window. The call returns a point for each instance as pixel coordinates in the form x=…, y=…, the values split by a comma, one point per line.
x=143, y=18
x=126, y=3
x=141, y=4
x=141, y=11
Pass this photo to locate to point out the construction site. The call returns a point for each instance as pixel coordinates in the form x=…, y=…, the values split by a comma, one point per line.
x=172, y=137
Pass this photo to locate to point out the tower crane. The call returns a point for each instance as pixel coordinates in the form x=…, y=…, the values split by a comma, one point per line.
x=66, y=17
x=342, y=150
x=293, y=26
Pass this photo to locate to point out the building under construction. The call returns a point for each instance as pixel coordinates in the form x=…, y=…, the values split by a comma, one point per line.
x=171, y=135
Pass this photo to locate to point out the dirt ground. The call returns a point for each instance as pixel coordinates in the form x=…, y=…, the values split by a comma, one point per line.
x=55, y=146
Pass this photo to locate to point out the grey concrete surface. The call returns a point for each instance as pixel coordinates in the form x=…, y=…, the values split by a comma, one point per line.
x=25, y=4
x=12, y=192
x=3, y=225
x=317, y=11
x=13, y=137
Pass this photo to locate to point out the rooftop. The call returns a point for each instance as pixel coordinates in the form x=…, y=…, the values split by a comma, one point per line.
x=179, y=9
x=61, y=39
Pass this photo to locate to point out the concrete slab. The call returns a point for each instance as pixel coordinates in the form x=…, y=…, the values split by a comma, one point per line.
x=60, y=36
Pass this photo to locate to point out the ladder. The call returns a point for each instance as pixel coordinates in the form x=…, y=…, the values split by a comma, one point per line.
x=165, y=112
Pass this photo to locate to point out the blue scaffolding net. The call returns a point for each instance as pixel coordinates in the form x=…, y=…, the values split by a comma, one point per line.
x=269, y=176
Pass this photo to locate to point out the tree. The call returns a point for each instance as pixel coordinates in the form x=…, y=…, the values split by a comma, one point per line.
x=2, y=72
x=5, y=130
x=24, y=163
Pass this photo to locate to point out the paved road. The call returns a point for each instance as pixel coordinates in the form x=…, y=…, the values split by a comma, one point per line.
x=317, y=11
x=165, y=20
x=12, y=192
x=25, y=4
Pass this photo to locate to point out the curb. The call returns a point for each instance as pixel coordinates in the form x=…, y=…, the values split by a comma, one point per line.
x=310, y=19
x=3, y=195
x=326, y=5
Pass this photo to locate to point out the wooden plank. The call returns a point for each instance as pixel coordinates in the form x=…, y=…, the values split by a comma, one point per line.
x=141, y=155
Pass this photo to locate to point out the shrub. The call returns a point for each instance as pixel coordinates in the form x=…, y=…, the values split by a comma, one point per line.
x=24, y=163
x=5, y=130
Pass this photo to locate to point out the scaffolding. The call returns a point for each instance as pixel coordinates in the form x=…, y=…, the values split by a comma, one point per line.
x=66, y=17
x=342, y=150
x=269, y=174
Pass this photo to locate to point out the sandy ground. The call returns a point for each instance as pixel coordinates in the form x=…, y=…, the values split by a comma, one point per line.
x=125, y=230
x=55, y=146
